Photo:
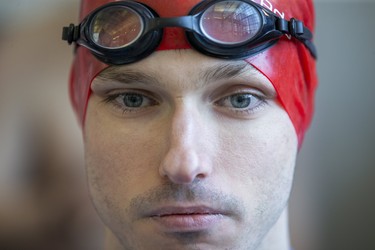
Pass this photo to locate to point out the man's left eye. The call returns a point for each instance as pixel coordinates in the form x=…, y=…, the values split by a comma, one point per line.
x=240, y=101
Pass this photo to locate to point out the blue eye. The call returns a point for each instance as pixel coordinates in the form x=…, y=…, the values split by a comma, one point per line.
x=132, y=100
x=244, y=101
x=241, y=104
x=240, y=101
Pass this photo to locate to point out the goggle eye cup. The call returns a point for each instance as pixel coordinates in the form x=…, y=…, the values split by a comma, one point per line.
x=231, y=22
x=116, y=27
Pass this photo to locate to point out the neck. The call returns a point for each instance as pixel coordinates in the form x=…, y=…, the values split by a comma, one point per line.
x=276, y=239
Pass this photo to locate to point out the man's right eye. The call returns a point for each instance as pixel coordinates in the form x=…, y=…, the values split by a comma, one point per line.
x=131, y=102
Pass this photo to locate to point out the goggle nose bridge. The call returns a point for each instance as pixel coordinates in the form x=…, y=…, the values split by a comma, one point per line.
x=185, y=22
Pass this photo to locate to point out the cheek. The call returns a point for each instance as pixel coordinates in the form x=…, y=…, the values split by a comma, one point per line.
x=261, y=156
x=257, y=163
x=116, y=160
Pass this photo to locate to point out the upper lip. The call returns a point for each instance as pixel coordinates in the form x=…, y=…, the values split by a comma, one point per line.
x=184, y=210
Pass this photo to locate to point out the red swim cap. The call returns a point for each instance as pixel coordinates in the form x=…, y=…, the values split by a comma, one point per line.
x=288, y=64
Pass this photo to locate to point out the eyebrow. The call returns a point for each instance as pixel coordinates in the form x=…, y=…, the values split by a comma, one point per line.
x=224, y=71
x=205, y=76
x=127, y=76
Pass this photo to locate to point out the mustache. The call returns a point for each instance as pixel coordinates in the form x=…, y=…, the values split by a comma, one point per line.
x=191, y=194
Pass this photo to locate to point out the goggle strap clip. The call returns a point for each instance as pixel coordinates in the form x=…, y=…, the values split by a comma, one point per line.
x=282, y=25
x=70, y=33
x=296, y=28
x=293, y=27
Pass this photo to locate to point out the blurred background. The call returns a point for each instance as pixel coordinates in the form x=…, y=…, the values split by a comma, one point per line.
x=43, y=197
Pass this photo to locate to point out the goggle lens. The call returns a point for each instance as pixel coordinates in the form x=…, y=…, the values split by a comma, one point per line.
x=231, y=22
x=116, y=27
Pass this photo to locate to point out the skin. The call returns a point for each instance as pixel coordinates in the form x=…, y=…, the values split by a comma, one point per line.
x=189, y=168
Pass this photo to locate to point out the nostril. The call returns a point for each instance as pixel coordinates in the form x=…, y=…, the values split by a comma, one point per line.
x=182, y=167
x=201, y=176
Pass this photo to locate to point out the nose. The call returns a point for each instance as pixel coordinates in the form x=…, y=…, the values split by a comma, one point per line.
x=187, y=158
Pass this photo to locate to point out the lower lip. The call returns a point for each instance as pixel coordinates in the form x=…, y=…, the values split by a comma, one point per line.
x=188, y=222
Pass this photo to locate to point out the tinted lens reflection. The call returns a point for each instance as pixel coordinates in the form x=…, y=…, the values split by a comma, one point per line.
x=231, y=22
x=116, y=27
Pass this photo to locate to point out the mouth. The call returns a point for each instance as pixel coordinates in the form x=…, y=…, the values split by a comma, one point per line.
x=187, y=219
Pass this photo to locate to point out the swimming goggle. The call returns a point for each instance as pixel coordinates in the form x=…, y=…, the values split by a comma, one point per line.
x=124, y=32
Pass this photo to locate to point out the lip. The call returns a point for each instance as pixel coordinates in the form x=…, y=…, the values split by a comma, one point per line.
x=187, y=219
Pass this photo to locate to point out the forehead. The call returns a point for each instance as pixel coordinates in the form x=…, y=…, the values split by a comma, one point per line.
x=186, y=68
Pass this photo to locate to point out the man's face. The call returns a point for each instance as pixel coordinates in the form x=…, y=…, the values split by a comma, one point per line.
x=188, y=152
